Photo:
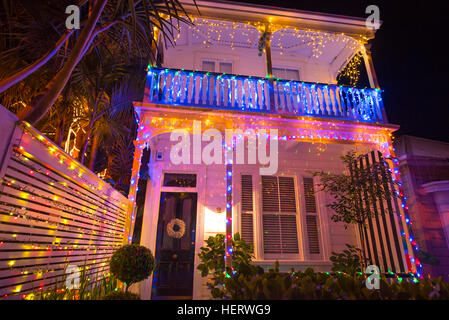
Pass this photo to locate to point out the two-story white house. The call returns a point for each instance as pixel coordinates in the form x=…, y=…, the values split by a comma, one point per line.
x=255, y=68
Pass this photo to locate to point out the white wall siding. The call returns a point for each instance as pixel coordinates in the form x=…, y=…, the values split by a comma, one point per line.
x=246, y=62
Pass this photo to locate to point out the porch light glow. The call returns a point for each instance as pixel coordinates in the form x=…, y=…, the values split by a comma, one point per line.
x=214, y=222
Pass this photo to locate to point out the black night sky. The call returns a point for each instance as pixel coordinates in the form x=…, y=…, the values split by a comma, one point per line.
x=411, y=58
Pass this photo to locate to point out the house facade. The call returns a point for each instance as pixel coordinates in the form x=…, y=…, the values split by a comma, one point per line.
x=424, y=165
x=242, y=109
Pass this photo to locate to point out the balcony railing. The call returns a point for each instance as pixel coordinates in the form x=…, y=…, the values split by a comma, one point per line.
x=246, y=93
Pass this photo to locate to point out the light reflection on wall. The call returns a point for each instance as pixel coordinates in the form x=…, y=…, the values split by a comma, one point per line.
x=214, y=222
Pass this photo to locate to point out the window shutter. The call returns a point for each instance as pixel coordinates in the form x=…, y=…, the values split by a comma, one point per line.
x=271, y=233
x=247, y=193
x=270, y=194
x=311, y=217
x=312, y=234
x=309, y=195
x=280, y=234
x=287, y=194
x=289, y=234
x=247, y=228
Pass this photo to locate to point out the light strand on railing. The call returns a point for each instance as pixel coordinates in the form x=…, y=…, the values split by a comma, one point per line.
x=179, y=87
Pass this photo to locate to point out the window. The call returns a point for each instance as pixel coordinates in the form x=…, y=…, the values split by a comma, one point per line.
x=216, y=66
x=225, y=67
x=286, y=74
x=246, y=219
x=208, y=66
x=179, y=180
x=311, y=217
x=280, y=235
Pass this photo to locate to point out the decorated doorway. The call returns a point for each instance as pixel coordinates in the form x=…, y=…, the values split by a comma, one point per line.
x=175, y=246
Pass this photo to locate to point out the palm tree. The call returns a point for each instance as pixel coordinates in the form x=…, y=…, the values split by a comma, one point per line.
x=132, y=23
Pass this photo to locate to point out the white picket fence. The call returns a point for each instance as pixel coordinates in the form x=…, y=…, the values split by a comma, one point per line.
x=54, y=212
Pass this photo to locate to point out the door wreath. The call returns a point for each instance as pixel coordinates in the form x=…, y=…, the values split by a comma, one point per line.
x=176, y=228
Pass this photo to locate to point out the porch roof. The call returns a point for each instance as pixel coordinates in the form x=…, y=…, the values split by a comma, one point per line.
x=245, y=12
x=158, y=118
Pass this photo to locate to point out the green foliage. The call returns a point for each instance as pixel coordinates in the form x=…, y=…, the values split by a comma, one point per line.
x=309, y=285
x=347, y=261
x=249, y=282
x=132, y=263
x=120, y=295
x=352, y=192
x=88, y=290
x=212, y=262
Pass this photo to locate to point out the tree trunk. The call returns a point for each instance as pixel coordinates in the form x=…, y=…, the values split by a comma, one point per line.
x=78, y=143
x=21, y=75
x=43, y=101
x=59, y=134
x=82, y=157
x=86, y=145
x=93, y=152
x=362, y=256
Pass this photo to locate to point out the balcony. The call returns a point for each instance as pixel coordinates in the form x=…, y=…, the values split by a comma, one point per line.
x=263, y=95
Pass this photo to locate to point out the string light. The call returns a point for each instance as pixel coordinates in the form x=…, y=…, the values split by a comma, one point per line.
x=352, y=70
x=413, y=263
x=283, y=38
x=57, y=197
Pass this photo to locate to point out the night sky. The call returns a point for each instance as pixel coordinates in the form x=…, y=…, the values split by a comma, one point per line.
x=410, y=54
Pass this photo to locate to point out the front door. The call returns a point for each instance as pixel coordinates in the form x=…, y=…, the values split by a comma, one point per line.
x=175, y=246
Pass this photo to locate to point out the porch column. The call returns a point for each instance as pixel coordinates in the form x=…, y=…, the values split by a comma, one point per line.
x=370, y=66
x=269, y=64
x=229, y=154
x=372, y=77
x=138, y=151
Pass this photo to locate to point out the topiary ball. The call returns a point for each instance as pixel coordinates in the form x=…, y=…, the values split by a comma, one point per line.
x=132, y=263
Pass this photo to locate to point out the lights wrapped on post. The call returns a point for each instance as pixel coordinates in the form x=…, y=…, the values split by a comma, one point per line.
x=228, y=238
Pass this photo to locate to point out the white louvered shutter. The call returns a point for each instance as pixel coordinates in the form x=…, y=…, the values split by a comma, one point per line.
x=279, y=215
x=311, y=217
x=247, y=228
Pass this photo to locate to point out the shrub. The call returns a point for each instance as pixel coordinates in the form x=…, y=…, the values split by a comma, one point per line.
x=120, y=295
x=132, y=263
x=249, y=282
x=347, y=261
x=309, y=285
x=212, y=261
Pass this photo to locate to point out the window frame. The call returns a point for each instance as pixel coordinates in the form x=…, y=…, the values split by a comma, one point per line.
x=217, y=62
x=299, y=223
x=284, y=68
